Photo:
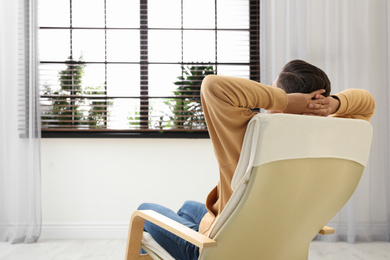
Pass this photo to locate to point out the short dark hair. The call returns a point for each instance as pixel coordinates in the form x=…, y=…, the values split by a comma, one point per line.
x=298, y=76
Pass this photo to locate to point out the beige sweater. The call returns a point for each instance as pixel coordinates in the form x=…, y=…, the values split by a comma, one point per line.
x=226, y=102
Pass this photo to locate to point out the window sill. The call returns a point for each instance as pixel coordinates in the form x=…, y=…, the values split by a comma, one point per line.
x=125, y=134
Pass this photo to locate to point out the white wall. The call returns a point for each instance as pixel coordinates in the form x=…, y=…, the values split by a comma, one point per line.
x=90, y=187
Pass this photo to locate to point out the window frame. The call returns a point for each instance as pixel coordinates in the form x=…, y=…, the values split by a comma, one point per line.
x=254, y=70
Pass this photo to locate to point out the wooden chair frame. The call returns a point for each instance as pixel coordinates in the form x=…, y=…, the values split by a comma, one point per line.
x=133, y=247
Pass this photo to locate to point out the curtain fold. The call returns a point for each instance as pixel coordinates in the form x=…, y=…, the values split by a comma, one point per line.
x=20, y=201
x=350, y=41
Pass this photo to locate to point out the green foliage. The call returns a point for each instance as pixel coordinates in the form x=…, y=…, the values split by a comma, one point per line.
x=98, y=108
x=68, y=105
x=186, y=107
x=134, y=117
x=71, y=78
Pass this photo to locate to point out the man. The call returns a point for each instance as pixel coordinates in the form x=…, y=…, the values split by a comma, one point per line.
x=229, y=104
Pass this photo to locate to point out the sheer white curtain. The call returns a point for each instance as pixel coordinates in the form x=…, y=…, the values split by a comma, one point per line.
x=350, y=40
x=20, y=209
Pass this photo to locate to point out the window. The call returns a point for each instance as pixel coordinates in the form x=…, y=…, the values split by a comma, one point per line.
x=134, y=67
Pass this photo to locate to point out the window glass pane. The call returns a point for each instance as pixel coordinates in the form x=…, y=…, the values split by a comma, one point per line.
x=164, y=46
x=234, y=71
x=94, y=76
x=48, y=77
x=88, y=13
x=162, y=78
x=233, y=14
x=89, y=44
x=123, y=13
x=125, y=114
x=199, y=46
x=233, y=46
x=164, y=14
x=54, y=45
x=50, y=87
x=123, y=80
x=54, y=13
x=199, y=14
x=160, y=114
x=123, y=45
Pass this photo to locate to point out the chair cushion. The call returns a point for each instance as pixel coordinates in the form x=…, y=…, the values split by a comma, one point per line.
x=288, y=136
x=275, y=137
x=153, y=248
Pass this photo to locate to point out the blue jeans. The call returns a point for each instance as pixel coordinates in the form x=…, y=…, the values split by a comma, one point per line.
x=190, y=215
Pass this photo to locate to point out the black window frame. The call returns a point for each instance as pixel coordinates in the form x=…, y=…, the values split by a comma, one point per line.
x=254, y=65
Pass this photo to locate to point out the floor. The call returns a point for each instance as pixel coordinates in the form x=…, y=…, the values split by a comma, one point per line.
x=113, y=249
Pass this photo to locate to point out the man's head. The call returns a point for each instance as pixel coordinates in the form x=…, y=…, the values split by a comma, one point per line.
x=298, y=76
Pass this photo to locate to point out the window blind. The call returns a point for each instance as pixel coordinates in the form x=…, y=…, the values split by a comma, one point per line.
x=137, y=66
x=28, y=99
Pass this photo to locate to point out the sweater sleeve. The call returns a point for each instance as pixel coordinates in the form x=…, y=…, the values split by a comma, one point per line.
x=242, y=93
x=226, y=104
x=355, y=103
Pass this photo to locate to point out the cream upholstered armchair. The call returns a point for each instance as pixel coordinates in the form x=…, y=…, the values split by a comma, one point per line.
x=294, y=174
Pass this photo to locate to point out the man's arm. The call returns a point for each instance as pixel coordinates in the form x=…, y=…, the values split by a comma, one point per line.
x=353, y=103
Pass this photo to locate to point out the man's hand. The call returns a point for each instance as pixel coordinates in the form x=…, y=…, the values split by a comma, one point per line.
x=331, y=103
x=311, y=104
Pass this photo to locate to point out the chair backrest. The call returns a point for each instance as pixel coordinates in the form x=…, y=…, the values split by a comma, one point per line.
x=294, y=174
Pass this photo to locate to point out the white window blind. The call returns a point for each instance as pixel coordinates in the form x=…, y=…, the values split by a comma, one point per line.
x=28, y=95
x=136, y=66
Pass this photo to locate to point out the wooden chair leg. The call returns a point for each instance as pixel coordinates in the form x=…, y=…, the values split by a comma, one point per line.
x=134, y=239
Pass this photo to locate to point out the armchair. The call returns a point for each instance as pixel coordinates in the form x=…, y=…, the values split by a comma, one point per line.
x=294, y=174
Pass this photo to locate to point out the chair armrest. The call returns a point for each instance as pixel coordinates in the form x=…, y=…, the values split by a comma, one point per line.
x=326, y=230
x=137, y=222
x=176, y=228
